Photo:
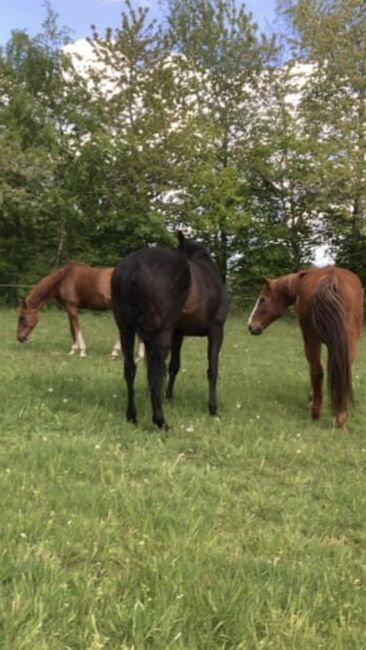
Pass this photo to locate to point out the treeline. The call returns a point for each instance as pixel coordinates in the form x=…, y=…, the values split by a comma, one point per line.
x=256, y=144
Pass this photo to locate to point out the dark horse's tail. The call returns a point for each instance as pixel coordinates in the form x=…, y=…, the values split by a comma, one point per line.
x=329, y=320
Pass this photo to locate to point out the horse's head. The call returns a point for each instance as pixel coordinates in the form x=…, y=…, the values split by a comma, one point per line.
x=269, y=306
x=28, y=319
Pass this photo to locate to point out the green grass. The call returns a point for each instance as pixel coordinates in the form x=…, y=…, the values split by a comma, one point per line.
x=242, y=532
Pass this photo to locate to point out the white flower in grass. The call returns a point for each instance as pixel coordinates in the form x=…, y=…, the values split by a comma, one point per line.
x=238, y=405
x=258, y=417
x=50, y=390
x=96, y=446
x=23, y=535
x=190, y=429
x=65, y=400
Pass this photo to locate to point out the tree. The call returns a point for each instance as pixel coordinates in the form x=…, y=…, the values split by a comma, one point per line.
x=220, y=58
x=331, y=37
x=42, y=112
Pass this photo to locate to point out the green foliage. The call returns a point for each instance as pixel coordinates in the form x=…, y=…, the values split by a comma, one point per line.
x=194, y=124
x=331, y=36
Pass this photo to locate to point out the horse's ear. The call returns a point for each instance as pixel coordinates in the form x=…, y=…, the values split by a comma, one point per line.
x=181, y=240
x=266, y=281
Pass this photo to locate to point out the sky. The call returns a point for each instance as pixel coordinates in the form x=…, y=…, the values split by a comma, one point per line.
x=78, y=15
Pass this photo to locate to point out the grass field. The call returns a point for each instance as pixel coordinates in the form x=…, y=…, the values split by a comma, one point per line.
x=242, y=532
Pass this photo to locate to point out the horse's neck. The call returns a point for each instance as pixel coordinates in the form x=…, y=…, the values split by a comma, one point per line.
x=38, y=297
x=287, y=286
x=44, y=290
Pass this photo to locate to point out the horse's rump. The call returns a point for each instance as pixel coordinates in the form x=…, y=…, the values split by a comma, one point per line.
x=329, y=319
x=149, y=288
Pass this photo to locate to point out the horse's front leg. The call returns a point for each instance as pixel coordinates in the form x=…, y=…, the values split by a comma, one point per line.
x=174, y=364
x=215, y=337
x=127, y=345
x=78, y=344
x=312, y=351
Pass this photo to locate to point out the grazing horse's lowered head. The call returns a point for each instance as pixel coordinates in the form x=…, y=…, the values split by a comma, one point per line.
x=27, y=320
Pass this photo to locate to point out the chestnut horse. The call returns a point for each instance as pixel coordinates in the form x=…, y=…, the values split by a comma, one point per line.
x=329, y=304
x=163, y=295
x=73, y=286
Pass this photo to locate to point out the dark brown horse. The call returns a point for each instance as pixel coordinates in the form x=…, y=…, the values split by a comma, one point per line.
x=74, y=286
x=164, y=295
x=329, y=304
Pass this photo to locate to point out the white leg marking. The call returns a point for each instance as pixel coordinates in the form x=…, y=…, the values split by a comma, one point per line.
x=141, y=352
x=74, y=348
x=81, y=344
x=116, y=350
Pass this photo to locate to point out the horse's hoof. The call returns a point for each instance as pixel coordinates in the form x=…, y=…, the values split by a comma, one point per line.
x=161, y=424
x=131, y=417
x=340, y=421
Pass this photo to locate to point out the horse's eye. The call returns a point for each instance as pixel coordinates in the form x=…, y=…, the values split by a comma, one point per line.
x=261, y=301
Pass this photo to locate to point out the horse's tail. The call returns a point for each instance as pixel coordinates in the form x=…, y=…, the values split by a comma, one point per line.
x=329, y=321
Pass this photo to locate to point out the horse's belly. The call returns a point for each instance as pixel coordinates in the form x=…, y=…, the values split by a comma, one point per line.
x=193, y=326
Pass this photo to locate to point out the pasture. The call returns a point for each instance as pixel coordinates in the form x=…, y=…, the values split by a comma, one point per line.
x=239, y=532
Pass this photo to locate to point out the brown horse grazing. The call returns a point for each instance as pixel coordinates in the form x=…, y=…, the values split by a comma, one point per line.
x=329, y=304
x=74, y=286
x=164, y=295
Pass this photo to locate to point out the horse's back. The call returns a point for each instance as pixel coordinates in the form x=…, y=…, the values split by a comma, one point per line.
x=87, y=286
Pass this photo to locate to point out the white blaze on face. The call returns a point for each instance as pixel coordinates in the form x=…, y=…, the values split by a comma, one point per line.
x=253, y=312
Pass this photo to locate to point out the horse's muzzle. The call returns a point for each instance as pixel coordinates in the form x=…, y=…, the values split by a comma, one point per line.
x=255, y=329
x=22, y=339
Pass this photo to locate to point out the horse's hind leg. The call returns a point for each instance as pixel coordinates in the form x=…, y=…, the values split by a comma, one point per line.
x=174, y=364
x=157, y=351
x=215, y=337
x=78, y=341
x=312, y=352
x=127, y=344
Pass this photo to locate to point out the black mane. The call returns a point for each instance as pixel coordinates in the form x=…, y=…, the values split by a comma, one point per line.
x=192, y=247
